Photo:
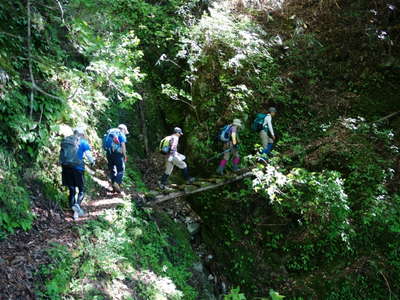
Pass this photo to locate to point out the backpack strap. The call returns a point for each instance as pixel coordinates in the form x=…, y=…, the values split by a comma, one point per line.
x=266, y=126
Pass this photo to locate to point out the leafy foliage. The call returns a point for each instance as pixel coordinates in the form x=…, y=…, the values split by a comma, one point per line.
x=129, y=250
x=14, y=198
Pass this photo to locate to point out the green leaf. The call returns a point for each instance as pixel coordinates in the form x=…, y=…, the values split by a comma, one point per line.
x=274, y=295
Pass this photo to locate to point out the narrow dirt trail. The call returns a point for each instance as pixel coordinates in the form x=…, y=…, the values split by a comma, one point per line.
x=22, y=253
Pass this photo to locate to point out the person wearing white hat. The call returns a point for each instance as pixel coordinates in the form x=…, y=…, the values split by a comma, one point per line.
x=73, y=150
x=231, y=147
x=115, y=147
x=173, y=159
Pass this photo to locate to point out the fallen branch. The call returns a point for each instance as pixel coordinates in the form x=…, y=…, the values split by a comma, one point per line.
x=388, y=116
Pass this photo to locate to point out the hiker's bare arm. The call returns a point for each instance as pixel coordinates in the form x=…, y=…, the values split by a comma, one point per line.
x=270, y=128
x=89, y=156
x=234, y=138
x=123, y=148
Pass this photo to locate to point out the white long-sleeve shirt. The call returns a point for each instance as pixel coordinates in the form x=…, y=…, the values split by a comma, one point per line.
x=268, y=124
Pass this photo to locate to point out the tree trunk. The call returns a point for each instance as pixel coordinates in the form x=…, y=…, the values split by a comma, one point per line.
x=142, y=110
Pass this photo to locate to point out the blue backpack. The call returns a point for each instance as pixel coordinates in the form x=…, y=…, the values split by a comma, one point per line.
x=111, y=141
x=224, y=133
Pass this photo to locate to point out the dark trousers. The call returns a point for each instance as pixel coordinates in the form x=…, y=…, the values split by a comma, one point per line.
x=73, y=179
x=116, y=166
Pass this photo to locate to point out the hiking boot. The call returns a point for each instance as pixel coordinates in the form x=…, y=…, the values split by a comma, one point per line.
x=76, y=210
x=262, y=160
x=162, y=186
x=220, y=170
x=162, y=183
x=191, y=180
x=235, y=168
x=81, y=212
x=116, y=187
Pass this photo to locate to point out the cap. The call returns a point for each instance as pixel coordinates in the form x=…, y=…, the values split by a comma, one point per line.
x=237, y=122
x=124, y=128
x=178, y=130
x=272, y=109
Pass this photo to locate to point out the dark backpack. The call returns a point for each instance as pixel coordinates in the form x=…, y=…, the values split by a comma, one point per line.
x=224, y=134
x=258, y=122
x=165, y=145
x=69, y=151
x=111, y=140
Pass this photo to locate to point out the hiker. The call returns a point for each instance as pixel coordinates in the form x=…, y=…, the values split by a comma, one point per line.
x=231, y=146
x=73, y=150
x=267, y=132
x=114, y=142
x=174, y=158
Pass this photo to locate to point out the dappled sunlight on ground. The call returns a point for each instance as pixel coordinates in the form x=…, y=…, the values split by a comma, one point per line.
x=106, y=202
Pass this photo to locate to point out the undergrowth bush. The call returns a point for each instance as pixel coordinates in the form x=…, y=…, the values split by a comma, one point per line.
x=336, y=220
x=15, y=209
x=122, y=252
x=127, y=251
x=60, y=271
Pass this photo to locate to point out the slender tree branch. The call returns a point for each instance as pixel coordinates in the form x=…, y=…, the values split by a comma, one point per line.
x=73, y=94
x=388, y=116
x=9, y=34
x=41, y=113
x=47, y=94
x=141, y=105
x=388, y=285
x=34, y=86
x=30, y=59
x=62, y=11
x=186, y=102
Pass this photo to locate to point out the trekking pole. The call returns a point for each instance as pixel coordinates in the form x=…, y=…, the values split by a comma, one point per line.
x=218, y=155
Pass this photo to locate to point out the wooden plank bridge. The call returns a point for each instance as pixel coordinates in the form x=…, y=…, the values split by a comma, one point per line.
x=201, y=185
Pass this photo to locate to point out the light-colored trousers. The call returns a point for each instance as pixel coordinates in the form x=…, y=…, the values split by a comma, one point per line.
x=265, y=139
x=176, y=159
